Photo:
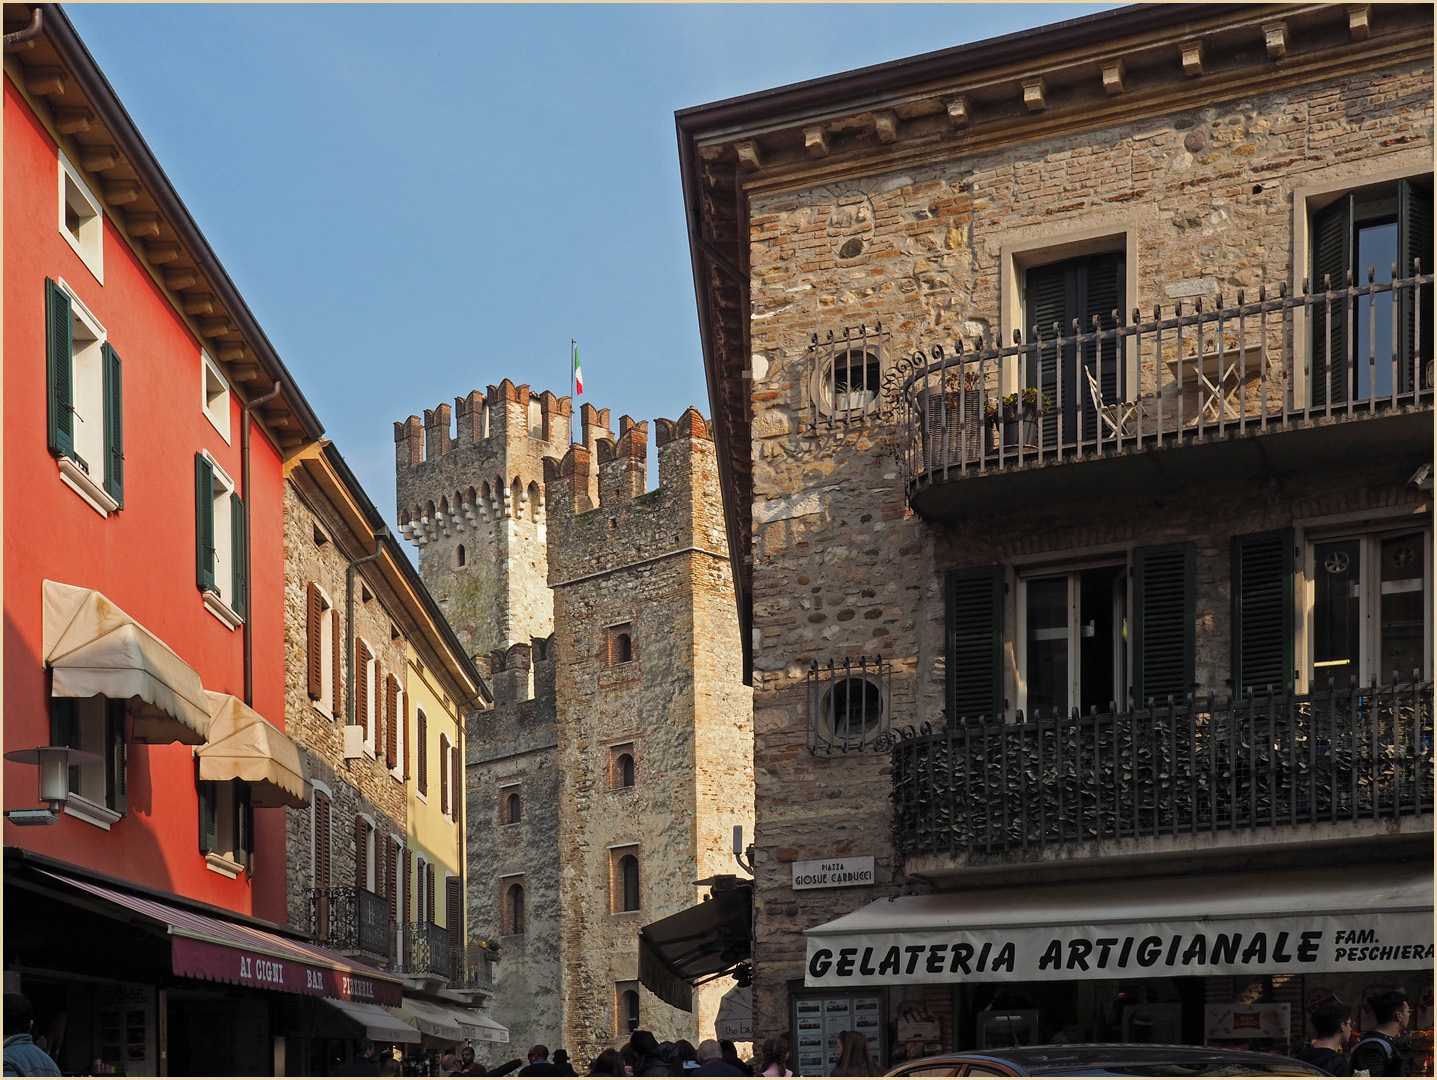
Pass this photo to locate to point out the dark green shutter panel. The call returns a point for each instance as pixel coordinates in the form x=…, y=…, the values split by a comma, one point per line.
x=1262, y=619
x=1331, y=257
x=59, y=370
x=1414, y=246
x=1048, y=299
x=239, y=556
x=204, y=524
x=1164, y=618
x=244, y=826
x=209, y=829
x=64, y=722
x=975, y=643
x=1105, y=288
x=115, y=756
x=114, y=427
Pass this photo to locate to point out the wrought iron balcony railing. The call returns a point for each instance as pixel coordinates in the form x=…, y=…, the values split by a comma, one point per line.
x=429, y=950
x=1340, y=352
x=1265, y=760
x=352, y=919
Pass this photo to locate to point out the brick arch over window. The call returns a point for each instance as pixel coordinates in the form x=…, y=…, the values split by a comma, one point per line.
x=513, y=918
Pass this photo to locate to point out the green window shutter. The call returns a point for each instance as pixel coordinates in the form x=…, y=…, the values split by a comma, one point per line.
x=1331, y=256
x=65, y=730
x=1262, y=617
x=1164, y=620
x=239, y=556
x=1414, y=243
x=115, y=780
x=974, y=618
x=114, y=427
x=204, y=523
x=59, y=370
x=244, y=827
x=209, y=825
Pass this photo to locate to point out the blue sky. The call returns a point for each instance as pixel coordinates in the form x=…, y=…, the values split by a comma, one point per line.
x=421, y=200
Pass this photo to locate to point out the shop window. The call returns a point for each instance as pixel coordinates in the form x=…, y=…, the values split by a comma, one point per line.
x=1370, y=611
x=95, y=724
x=84, y=401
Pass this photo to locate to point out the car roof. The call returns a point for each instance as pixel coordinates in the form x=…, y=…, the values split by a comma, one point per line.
x=1095, y=1058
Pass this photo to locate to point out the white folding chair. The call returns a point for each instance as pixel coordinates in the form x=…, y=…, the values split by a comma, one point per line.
x=1118, y=418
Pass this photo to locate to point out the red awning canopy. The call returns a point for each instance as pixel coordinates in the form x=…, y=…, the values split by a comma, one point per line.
x=205, y=947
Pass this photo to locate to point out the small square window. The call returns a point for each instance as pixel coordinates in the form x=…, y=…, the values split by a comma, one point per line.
x=95, y=724
x=81, y=221
x=215, y=398
x=619, y=644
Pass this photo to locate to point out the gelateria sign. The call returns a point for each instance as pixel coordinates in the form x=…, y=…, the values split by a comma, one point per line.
x=1107, y=931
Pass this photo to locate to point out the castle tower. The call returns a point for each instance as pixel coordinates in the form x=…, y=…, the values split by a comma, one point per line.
x=472, y=501
x=654, y=731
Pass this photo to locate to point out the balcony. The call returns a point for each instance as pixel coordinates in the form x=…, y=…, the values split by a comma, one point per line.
x=353, y=921
x=1111, y=404
x=429, y=951
x=1117, y=783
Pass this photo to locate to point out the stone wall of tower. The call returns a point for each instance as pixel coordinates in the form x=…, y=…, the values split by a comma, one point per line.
x=654, y=567
x=470, y=497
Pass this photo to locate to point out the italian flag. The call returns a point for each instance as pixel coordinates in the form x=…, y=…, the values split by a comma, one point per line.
x=578, y=373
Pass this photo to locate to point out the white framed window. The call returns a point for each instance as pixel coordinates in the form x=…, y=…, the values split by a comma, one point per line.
x=221, y=572
x=1073, y=647
x=97, y=725
x=1368, y=604
x=226, y=826
x=84, y=400
x=82, y=222
x=214, y=395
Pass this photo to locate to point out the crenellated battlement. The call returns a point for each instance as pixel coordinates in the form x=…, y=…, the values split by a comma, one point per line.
x=503, y=413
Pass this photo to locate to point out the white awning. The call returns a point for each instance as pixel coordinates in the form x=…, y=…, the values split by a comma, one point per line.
x=431, y=1019
x=1327, y=919
x=243, y=745
x=735, y=1015
x=378, y=1023
x=92, y=647
x=476, y=1026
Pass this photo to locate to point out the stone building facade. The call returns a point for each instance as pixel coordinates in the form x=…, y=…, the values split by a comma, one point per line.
x=587, y=759
x=881, y=260
x=372, y=669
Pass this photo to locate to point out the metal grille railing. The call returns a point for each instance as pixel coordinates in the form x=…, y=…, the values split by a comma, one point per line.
x=1202, y=765
x=1224, y=372
x=428, y=950
x=849, y=705
x=352, y=919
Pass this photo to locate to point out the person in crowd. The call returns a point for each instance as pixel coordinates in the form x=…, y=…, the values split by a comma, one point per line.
x=447, y=1061
x=22, y=1056
x=666, y=1061
x=730, y=1055
x=854, y=1058
x=773, y=1061
x=506, y=1068
x=687, y=1055
x=467, y=1065
x=1380, y=1051
x=363, y=1064
x=644, y=1050
x=562, y=1067
x=609, y=1063
x=392, y=1066
x=711, y=1061
x=539, y=1063
x=1331, y=1025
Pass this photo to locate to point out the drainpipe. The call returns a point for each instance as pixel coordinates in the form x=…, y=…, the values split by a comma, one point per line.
x=379, y=539
x=37, y=23
x=249, y=407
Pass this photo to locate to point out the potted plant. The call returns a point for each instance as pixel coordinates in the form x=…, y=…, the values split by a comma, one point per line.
x=490, y=948
x=1021, y=410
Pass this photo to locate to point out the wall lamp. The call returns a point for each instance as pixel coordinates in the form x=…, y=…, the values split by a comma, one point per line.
x=55, y=763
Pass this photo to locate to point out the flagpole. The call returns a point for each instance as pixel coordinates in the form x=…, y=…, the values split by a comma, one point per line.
x=573, y=401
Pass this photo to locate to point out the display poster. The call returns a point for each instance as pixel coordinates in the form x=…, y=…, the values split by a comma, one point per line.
x=1228, y=1023
x=127, y=1028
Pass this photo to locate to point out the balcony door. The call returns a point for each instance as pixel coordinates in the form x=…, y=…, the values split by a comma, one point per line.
x=1075, y=639
x=1353, y=350
x=1059, y=293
